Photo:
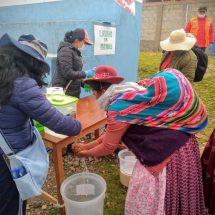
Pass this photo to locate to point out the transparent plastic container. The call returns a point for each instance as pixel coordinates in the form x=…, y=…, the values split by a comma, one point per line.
x=65, y=104
x=84, y=193
x=127, y=161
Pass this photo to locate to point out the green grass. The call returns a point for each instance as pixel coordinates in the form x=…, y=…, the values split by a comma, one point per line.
x=148, y=64
x=109, y=168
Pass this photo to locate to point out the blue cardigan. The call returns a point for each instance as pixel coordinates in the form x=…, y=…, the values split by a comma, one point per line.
x=27, y=101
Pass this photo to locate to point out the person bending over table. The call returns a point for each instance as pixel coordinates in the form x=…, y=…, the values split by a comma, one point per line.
x=158, y=124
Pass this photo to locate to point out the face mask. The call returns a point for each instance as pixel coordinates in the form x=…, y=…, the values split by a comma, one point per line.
x=81, y=49
x=200, y=15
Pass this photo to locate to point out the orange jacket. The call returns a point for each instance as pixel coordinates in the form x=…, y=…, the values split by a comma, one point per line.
x=202, y=29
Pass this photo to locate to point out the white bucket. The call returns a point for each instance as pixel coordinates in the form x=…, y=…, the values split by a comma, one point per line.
x=127, y=161
x=84, y=193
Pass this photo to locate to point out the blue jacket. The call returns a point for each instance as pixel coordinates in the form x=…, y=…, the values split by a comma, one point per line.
x=27, y=101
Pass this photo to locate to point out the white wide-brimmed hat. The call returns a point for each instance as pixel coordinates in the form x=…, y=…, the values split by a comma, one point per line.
x=178, y=40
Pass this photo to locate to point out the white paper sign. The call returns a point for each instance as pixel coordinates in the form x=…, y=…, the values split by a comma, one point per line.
x=105, y=39
x=54, y=90
x=85, y=189
x=128, y=5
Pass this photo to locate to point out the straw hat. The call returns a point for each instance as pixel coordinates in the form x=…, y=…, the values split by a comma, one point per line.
x=178, y=40
x=106, y=74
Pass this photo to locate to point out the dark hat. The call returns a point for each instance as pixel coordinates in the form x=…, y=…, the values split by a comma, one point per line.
x=78, y=33
x=106, y=74
x=202, y=8
x=29, y=45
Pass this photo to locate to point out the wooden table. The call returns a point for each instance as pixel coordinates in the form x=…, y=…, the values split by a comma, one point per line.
x=92, y=118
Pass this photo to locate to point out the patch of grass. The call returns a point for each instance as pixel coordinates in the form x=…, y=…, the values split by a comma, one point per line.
x=149, y=63
x=53, y=211
x=206, y=92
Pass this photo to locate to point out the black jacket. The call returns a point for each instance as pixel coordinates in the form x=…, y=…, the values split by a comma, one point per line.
x=69, y=67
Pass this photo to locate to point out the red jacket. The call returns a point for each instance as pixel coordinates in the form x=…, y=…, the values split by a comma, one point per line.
x=202, y=29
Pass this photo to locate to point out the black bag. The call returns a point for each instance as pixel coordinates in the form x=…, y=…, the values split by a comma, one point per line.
x=202, y=63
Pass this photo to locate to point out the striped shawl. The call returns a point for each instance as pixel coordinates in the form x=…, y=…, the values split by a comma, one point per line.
x=168, y=101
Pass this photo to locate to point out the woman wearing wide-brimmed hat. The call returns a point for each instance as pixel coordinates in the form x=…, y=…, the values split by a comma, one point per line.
x=158, y=124
x=178, y=53
x=22, y=69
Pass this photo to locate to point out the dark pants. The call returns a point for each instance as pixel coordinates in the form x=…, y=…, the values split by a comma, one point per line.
x=9, y=196
x=202, y=48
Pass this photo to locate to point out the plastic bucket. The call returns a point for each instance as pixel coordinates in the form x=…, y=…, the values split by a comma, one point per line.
x=84, y=193
x=127, y=161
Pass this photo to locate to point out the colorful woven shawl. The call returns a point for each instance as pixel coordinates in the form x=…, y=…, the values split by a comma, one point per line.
x=169, y=101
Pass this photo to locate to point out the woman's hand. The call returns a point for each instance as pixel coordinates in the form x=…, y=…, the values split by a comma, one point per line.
x=90, y=73
x=81, y=149
x=83, y=153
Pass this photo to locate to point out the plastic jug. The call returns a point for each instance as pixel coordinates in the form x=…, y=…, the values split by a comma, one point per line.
x=84, y=193
x=127, y=161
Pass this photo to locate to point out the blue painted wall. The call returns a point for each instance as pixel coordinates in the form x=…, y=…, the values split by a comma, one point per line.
x=50, y=21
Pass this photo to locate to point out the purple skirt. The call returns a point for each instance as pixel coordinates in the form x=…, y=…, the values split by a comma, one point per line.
x=184, y=189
